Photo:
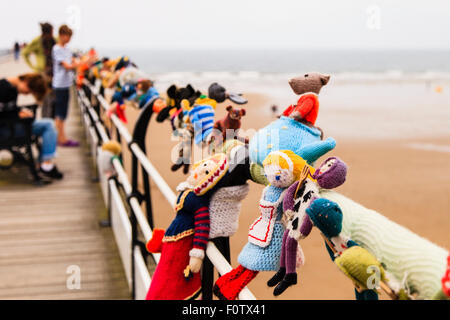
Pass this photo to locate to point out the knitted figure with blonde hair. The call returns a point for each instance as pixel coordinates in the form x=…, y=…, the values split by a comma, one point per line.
x=262, y=252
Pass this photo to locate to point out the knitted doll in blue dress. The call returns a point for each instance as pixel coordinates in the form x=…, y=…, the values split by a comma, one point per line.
x=262, y=252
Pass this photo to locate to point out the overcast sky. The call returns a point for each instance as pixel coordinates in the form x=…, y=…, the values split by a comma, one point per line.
x=234, y=23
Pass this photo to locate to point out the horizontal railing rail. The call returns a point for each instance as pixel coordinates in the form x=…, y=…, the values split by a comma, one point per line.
x=134, y=254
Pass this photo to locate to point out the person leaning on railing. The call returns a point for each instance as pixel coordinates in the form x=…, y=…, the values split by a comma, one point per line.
x=33, y=83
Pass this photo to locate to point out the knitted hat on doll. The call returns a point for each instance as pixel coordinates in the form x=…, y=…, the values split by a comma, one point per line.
x=214, y=174
x=331, y=173
x=219, y=93
x=327, y=216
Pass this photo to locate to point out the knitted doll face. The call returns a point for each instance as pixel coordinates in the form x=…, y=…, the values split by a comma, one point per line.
x=277, y=176
x=201, y=171
x=327, y=165
x=331, y=174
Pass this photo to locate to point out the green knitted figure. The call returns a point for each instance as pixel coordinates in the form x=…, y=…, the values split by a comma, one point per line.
x=413, y=263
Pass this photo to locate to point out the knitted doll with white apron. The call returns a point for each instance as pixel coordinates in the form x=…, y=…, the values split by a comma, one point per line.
x=262, y=252
x=299, y=196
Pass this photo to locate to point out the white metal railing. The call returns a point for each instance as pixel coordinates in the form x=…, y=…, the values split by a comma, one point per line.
x=122, y=227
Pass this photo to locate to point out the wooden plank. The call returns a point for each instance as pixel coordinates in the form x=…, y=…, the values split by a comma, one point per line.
x=43, y=230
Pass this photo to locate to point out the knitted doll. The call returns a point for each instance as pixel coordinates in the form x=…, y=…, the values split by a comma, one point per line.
x=175, y=95
x=179, y=103
x=299, y=196
x=118, y=104
x=308, y=87
x=108, y=152
x=262, y=252
x=225, y=203
x=201, y=116
x=183, y=245
x=202, y=112
x=146, y=93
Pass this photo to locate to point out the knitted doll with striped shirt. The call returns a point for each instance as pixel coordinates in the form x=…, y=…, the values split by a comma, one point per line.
x=183, y=244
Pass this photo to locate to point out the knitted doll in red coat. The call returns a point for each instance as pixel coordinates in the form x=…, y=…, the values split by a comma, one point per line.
x=183, y=244
x=308, y=87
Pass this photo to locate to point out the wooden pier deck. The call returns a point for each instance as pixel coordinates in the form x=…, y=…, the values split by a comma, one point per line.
x=45, y=231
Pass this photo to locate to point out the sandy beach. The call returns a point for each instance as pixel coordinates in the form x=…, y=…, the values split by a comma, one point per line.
x=395, y=138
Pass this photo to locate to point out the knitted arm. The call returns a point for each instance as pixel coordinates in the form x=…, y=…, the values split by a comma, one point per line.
x=201, y=232
x=288, y=111
x=314, y=151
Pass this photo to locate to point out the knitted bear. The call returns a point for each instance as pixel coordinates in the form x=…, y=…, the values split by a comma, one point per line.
x=184, y=243
x=308, y=87
x=228, y=126
x=262, y=252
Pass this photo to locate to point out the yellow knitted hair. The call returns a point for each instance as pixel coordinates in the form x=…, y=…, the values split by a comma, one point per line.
x=285, y=159
x=112, y=146
x=206, y=101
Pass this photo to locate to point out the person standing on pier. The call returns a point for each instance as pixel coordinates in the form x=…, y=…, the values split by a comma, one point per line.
x=41, y=48
x=64, y=65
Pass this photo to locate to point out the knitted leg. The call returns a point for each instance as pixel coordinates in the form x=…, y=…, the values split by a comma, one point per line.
x=230, y=288
x=291, y=255
x=225, y=280
x=288, y=280
x=291, y=260
x=277, y=277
